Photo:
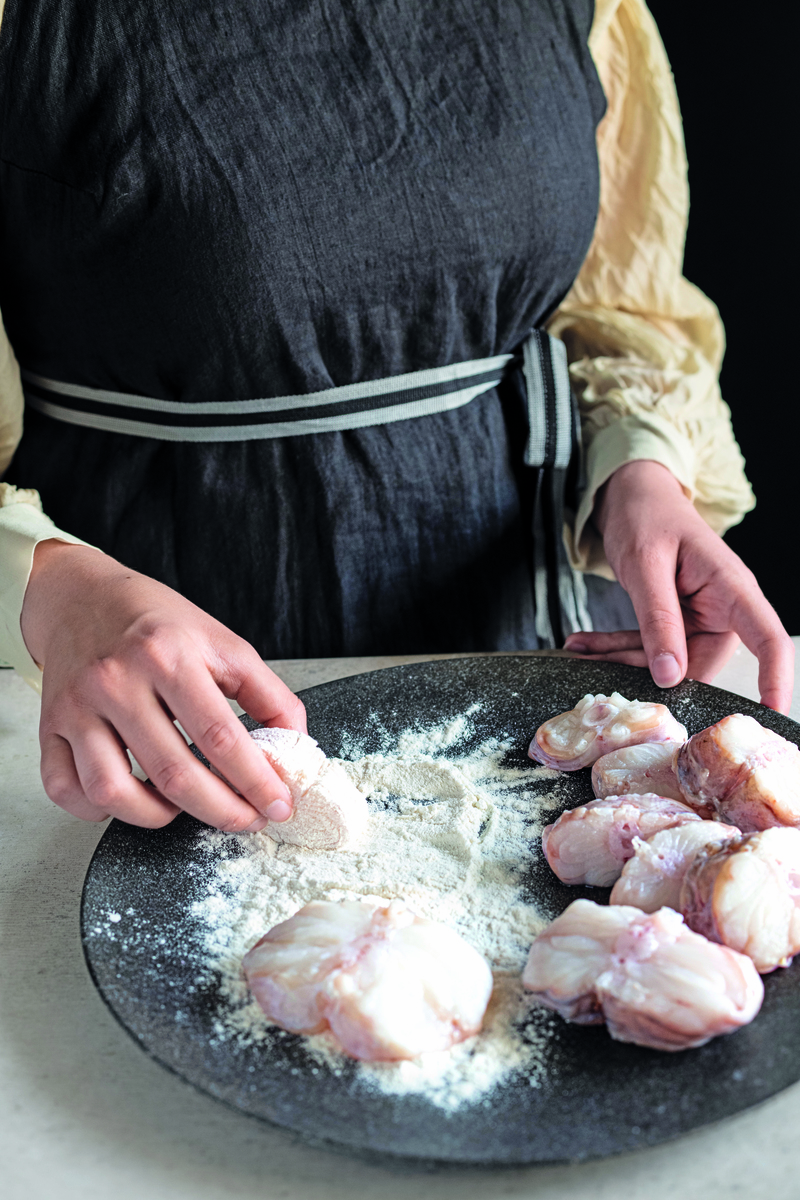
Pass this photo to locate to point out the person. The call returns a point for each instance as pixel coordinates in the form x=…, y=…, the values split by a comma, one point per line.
x=294, y=290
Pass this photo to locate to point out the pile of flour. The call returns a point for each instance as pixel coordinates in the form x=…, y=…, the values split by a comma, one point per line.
x=451, y=835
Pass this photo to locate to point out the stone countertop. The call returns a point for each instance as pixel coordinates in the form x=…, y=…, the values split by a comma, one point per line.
x=85, y=1115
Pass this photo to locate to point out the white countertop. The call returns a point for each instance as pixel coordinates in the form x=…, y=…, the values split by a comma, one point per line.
x=85, y=1115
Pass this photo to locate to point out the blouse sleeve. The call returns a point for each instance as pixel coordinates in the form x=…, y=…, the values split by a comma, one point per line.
x=11, y=402
x=645, y=345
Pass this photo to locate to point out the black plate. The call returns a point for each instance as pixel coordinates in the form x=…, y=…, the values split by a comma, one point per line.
x=598, y=1097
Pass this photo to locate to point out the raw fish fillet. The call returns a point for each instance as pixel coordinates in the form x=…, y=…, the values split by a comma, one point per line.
x=388, y=984
x=599, y=724
x=652, y=879
x=653, y=981
x=746, y=895
x=647, y=767
x=748, y=773
x=329, y=812
x=590, y=844
x=568, y=957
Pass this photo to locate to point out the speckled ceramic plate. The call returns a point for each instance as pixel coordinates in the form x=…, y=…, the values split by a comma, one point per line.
x=596, y=1096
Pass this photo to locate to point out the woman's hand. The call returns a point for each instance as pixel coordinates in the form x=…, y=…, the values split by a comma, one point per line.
x=693, y=597
x=124, y=657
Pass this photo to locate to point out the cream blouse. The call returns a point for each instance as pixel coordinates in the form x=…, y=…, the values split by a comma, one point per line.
x=645, y=346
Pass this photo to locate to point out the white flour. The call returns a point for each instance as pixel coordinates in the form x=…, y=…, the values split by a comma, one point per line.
x=451, y=835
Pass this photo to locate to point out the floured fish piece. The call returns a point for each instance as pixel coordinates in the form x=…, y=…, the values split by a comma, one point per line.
x=748, y=773
x=331, y=815
x=387, y=983
x=633, y=770
x=295, y=756
x=647, y=976
x=328, y=810
x=591, y=843
x=599, y=724
x=746, y=895
x=652, y=879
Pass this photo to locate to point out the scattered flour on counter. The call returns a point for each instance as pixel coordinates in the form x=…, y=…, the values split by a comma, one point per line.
x=451, y=835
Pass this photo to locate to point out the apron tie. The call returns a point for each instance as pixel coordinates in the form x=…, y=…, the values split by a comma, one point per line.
x=553, y=447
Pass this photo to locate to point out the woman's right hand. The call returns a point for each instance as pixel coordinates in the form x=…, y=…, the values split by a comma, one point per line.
x=124, y=657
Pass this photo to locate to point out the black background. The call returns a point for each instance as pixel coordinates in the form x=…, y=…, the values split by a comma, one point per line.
x=734, y=78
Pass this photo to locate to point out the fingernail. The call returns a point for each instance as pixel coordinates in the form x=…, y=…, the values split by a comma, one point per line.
x=279, y=810
x=577, y=647
x=665, y=670
x=257, y=826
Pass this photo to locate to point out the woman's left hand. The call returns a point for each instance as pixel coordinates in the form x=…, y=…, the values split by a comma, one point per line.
x=693, y=597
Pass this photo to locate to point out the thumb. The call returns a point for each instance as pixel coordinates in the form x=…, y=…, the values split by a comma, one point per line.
x=650, y=583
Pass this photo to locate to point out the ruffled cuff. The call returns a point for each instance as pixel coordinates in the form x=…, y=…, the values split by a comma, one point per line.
x=22, y=526
x=628, y=439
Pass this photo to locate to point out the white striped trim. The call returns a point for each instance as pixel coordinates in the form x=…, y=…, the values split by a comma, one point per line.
x=336, y=395
x=248, y=433
x=575, y=615
x=564, y=446
x=537, y=406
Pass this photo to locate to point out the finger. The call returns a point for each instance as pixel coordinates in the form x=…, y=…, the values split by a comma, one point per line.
x=650, y=583
x=776, y=673
x=61, y=781
x=775, y=654
x=199, y=705
x=631, y=658
x=263, y=696
x=604, y=643
x=708, y=653
x=105, y=775
x=760, y=628
x=776, y=677
x=174, y=771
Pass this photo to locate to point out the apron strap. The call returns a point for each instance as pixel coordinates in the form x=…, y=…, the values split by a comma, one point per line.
x=554, y=450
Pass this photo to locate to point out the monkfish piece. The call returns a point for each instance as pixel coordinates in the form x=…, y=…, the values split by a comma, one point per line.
x=598, y=725
x=591, y=843
x=653, y=981
x=653, y=877
x=328, y=810
x=749, y=774
x=647, y=767
x=387, y=983
x=746, y=894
